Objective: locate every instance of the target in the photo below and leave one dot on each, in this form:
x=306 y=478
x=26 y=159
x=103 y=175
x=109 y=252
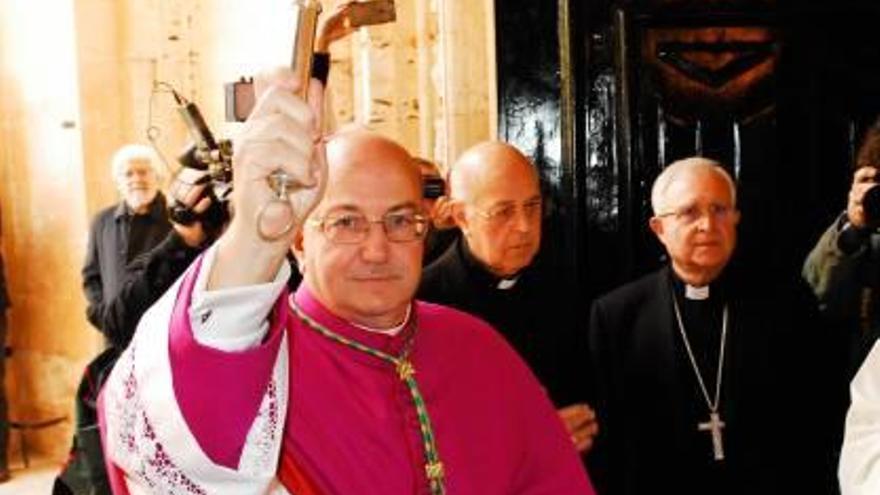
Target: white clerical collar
x=391 y=332
x=696 y=293
x=507 y=283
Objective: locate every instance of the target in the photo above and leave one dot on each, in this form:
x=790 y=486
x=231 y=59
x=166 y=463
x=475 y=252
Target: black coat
x=116 y=238
x=532 y=316
x=778 y=431
x=147 y=277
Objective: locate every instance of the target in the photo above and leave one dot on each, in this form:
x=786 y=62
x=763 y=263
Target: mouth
x=521 y=247
x=375 y=278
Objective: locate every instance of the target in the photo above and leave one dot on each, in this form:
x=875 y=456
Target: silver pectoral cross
x=715 y=425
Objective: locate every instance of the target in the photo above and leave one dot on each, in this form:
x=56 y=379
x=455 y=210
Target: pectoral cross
x=715 y=425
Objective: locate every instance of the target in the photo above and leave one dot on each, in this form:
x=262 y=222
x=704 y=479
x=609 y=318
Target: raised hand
x=281 y=134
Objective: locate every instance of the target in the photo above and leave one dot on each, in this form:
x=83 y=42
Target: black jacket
x=117 y=237
x=147 y=278
x=774 y=398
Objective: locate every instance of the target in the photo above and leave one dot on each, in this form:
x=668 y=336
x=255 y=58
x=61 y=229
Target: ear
x=459 y=216
x=736 y=217
x=298 y=250
x=656 y=225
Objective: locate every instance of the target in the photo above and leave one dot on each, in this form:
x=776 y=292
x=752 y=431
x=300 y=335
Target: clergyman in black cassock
x=671 y=423
x=494 y=271
x=525 y=309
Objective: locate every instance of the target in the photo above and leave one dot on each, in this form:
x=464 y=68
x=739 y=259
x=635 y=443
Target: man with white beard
x=121 y=232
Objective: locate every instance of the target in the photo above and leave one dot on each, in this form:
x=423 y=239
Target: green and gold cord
x=406 y=372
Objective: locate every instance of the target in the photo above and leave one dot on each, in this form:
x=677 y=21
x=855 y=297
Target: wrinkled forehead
x=513 y=180
x=135 y=166
x=699 y=186
x=370 y=174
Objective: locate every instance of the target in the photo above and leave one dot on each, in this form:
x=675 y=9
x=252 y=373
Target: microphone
x=194 y=121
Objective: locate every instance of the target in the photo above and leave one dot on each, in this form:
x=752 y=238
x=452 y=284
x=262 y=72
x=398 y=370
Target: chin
x=711 y=266
x=517 y=263
x=383 y=295
x=139 y=200
x=377 y=309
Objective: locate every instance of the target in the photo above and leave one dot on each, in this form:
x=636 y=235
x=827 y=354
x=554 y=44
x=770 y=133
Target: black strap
x=321 y=66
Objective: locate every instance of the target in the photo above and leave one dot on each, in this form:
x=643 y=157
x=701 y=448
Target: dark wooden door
x=775 y=92
x=604 y=94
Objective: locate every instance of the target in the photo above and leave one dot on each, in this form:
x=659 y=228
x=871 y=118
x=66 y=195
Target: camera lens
x=433 y=187
x=871 y=205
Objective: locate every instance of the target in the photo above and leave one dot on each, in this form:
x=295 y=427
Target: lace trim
x=153 y=467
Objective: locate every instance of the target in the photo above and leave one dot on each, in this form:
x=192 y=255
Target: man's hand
x=580 y=422
x=187 y=189
x=863 y=179
x=281 y=134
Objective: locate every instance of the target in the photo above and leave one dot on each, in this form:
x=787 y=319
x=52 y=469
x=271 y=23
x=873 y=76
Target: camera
x=871 y=206
x=433 y=187
x=205 y=160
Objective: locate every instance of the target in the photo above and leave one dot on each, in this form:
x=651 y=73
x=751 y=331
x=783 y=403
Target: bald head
x=496 y=198
x=490 y=162
x=368 y=150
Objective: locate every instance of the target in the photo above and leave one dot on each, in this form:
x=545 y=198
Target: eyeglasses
x=504 y=214
x=353 y=228
x=691 y=214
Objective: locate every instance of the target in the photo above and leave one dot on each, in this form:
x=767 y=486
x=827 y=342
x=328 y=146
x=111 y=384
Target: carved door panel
x=776 y=94
x=603 y=94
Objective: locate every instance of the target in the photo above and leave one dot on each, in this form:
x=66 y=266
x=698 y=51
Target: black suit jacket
x=111 y=247
x=777 y=436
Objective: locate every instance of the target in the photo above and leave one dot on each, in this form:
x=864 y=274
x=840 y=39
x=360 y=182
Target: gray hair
x=680 y=167
x=131 y=152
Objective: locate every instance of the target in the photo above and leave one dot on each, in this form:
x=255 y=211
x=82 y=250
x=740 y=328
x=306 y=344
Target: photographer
x=843 y=267
x=150 y=274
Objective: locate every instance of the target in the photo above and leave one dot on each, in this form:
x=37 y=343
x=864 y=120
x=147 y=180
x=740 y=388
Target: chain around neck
x=712 y=403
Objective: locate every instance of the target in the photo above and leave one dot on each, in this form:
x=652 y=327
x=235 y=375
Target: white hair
x=680 y=167
x=132 y=152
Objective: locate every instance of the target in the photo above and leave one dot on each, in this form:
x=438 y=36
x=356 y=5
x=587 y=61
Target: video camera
x=205 y=160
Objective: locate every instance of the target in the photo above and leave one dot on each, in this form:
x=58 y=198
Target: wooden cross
x=714 y=426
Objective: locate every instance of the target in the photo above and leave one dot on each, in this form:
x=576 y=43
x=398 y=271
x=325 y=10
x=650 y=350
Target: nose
x=375 y=247
x=523 y=222
x=707 y=221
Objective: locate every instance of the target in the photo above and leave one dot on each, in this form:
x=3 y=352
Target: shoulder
x=442 y=277
x=459 y=330
x=437 y=316
x=105 y=215
x=634 y=293
x=626 y=311
x=481 y=355
x=443 y=263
